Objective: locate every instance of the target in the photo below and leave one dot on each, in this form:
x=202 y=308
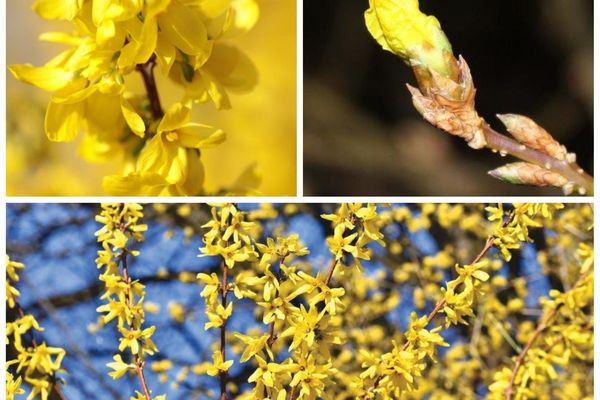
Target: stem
x=538 y=331
x=573 y=172
x=272 y=336
x=147 y=71
x=292 y=393
x=332 y=266
x=440 y=304
x=139 y=367
x=139 y=364
x=223 y=375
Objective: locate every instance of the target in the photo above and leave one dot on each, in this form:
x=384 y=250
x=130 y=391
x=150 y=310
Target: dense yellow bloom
x=120 y=228
x=36 y=363
x=330 y=331
x=91 y=88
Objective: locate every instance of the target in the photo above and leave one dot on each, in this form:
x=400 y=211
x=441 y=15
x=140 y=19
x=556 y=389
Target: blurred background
x=38 y=167
x=60 y=285
x=362 y=135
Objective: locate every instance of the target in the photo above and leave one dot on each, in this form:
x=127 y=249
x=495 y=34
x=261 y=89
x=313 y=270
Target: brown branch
x=139 y=364
x=272 y=335
x=224 y=375
x=573 y=172
x=489 y=243
x=292 y=393
x=538 y=331
x=440 y=304
x=332 y=266
x=147 y=71
x=139 y=368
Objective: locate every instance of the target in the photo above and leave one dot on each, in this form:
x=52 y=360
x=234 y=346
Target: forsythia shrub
x=91 y=84
x=499 y=305
x=33 y=362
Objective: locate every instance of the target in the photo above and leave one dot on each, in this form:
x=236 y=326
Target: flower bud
x=524 y=173
x=401 y=28
x=526 y=131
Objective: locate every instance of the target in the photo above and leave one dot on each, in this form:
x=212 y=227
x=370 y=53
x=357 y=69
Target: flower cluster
x=35 y=363
x=508 y=235
x=436 y=313
x=354 y=227
x=124 y=296
x=394 y=373
x=91 y=84
x=564 y=335
x=229 y=236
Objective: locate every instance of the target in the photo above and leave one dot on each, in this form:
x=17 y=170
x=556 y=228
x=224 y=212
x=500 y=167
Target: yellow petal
x=134 y=121
x=63 y=121
x=205 y=84
x=212 y=8
x=142 y=42
x=104 y=117
x=176 y=116
x=76 y=91
x=152 y=157
x=155 y=7
x=92 y=148
x=60 y=37
x=194 y=181
x=165 y=158
x=232 y=68
x=136 y=184
x=200 y=136
x=244 y=14
x=57 y=9
x=184 y=28
x=46 y=78
x=165 y=53
x=247 y=183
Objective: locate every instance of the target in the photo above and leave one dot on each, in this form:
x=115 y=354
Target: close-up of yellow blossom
x=144 y=91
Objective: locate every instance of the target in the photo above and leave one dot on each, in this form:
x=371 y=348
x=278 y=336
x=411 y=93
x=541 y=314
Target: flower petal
x=200 y=136
x=46 y=78
x=134 y=121
x=183 y=26
x=176 y=117
x=63 y=121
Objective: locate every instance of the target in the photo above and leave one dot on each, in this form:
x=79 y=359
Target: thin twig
x=272 y=335
x=573 y=172
x=147 y=71
x=139 y=367
x=223 y=375
x=292 y=393
x=332 y=266
x=139 y=364
x=442 y=302
x=538 y=331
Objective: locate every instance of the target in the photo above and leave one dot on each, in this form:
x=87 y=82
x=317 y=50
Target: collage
x=299 y=200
